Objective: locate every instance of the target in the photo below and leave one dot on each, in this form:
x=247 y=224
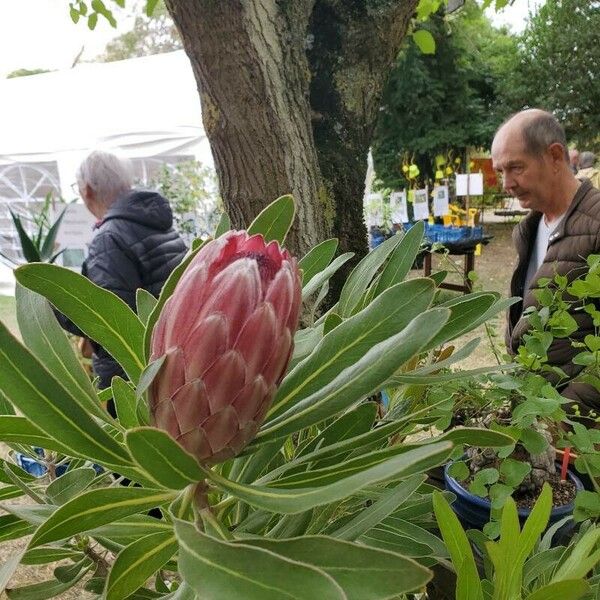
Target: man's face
x=525 y=177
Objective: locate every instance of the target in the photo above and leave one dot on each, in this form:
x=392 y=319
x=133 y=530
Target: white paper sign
x=77 y=227
x=471 y=185
x=421 y=205
x=440 y=201
x=398 y=207
x=374 y=209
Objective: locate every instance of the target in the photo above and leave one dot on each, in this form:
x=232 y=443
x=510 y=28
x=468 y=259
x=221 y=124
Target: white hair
x=108 y=175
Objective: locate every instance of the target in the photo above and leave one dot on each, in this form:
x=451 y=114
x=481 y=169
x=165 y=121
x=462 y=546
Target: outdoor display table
x=464 y=248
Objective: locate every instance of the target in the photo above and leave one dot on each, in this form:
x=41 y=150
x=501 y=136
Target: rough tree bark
x=290 y=93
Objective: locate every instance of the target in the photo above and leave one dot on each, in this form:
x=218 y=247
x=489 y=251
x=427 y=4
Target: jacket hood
x=144 y=207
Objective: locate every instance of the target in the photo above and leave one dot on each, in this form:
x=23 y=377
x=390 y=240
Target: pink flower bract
x=227 y=332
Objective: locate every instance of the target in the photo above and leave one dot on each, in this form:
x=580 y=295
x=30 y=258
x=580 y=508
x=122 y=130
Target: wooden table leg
x=427 y=264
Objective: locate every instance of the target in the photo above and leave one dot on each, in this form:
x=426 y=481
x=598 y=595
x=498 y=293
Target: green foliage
x=191 y=190
x=40 y=245
x=327 y=482
x=451 y=99
x=25 y=73
x=561 y=39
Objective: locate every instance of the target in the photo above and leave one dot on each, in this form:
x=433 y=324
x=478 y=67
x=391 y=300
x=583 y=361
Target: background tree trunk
x=290 y=92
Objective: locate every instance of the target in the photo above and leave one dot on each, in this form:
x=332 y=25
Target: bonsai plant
x=269 y=467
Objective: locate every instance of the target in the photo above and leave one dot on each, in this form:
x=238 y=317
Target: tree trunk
x=290 y=93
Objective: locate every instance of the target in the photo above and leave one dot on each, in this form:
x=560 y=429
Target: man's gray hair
x=586 y=160
x=108 y=175
x=541 y=131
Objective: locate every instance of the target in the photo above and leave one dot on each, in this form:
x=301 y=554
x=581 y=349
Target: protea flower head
x=227 y=332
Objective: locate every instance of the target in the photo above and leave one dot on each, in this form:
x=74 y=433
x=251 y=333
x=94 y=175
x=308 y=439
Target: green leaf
x=50 y=240
x=317 y=259
x=360 y=379
x=467 y=312
x=130 y=529
x=100 y=314
x=8 y=568
x=572 y=589
x=274 y=221
x=459 y=549
x=42 y=556
x=533 y=441
x=92 y=21
x=11 y=528
x=223 y=226
x=358 y=281
x=387 y=315
x=19 y=430
x=323 y=276
x=69 y=485
x=150 y=6
x=217 y=569
x=370 y=516
x=424 y=40
x=145 y=303
x=30 y=252
x=514 y=471
x=43 y=590
x=10 y=491
x=402 y=258
x=581 y=560
x=163 y=459
x=95 y=508
x=39 y=396
x=363 y=573
x=148 y=375
x=137 y=562
x=125 y=402
x=459 y=470
x=47 y=341
x=280 y=500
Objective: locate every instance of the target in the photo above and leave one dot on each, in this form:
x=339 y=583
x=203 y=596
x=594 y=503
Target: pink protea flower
x=227 y=332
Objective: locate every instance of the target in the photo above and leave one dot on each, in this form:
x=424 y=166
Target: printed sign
x=421 y=205
x=398 y=207
x=440 y=201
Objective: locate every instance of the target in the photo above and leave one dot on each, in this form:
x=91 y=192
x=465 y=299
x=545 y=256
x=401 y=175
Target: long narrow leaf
x=367 y=518
x=217 y=569
x=30 y=252
x=358 y=281
x=95 y=508
x=47 y=341
x=44 y=401
x=100 y=314
x=359 y=380
x=50 y=239
x=317 y=259
x=389 y=314
x=280 y=500
x=137 y=562
x=323 y=276
x=363 y=573
x=275 y=220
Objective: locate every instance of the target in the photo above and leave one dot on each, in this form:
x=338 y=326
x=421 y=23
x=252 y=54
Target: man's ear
x=90 y=194
x=556 y=153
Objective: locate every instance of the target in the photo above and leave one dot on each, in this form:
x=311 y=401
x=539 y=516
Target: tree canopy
x=560 y=65
x=448 y=100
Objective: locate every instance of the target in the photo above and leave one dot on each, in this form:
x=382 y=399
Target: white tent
x=146 y=109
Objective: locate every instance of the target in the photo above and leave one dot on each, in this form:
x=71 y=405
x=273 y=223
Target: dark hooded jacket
x=575 y=238
x=135 y=246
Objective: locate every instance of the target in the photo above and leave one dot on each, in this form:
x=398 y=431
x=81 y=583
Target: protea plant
x=227 y=336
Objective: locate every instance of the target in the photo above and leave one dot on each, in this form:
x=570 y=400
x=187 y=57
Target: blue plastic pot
x=474 y=511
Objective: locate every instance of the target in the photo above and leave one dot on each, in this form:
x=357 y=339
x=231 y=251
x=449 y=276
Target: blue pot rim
x=455 y=487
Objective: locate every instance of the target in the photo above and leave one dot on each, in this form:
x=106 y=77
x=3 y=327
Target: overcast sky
x=39 y=34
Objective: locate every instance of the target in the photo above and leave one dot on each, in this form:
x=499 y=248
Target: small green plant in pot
x=255 y=443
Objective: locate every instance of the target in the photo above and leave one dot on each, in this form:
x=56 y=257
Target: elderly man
x=587 y=170
x=135 y=245
x=562 y=229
